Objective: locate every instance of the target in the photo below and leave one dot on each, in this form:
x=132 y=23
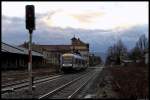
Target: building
x=80 y=46
x=125 y=62
x=14 y=57
x=53 y=52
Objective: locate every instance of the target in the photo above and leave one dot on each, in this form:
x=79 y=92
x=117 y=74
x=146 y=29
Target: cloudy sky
x=97 y=23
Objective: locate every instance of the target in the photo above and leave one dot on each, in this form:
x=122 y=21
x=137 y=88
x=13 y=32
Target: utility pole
x=30 y=25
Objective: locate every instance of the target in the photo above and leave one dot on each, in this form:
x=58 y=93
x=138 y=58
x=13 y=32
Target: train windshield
x=67 y=60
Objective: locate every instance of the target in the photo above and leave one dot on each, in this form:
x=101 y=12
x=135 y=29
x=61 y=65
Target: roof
x=74 y=38
x=56 y=47
x=17 y=50
x=127 y=61
x=78 y=41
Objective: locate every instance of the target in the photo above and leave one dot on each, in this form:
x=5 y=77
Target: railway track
x=25 y=80
x=24 y=83
x=73 y=82
x=11 y=87
x=70 y=89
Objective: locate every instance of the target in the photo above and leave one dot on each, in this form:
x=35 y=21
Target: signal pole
x=30 y=25
x=30 y=61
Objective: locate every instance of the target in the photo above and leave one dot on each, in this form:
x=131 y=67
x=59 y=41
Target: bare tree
x=121 y=51
x=138 y=51
x=115 y=52
x=142 y=43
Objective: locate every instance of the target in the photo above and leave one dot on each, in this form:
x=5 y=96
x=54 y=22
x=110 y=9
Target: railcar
x=72 y=62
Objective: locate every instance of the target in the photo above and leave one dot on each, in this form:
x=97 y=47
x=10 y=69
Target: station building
x=14 y=57
x=52 y=53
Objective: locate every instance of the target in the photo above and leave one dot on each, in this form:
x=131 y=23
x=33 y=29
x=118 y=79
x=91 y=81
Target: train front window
x=67 y=60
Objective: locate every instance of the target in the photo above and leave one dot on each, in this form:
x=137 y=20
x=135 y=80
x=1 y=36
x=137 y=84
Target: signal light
x=30 y=18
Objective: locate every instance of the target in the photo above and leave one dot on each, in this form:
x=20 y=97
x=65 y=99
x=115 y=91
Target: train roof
x=74 y=55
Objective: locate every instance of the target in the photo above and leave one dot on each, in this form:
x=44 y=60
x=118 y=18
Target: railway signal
x=30 y=25
x=30 y=18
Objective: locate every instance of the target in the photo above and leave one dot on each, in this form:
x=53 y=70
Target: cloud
x=48 y=14
x=87 y=17
x=12 y=25
x=14 y=32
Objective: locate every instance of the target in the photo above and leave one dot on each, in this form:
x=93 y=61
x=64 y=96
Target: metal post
x=30 y=61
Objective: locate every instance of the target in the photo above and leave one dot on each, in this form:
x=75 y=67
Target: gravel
x=99 y=87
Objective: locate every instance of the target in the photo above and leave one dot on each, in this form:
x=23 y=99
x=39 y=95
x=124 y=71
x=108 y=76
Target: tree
x=138 y=51
x=135 y=54
x=142 y=43
x=95 y=60
x=115 y=52
x=120 y=51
